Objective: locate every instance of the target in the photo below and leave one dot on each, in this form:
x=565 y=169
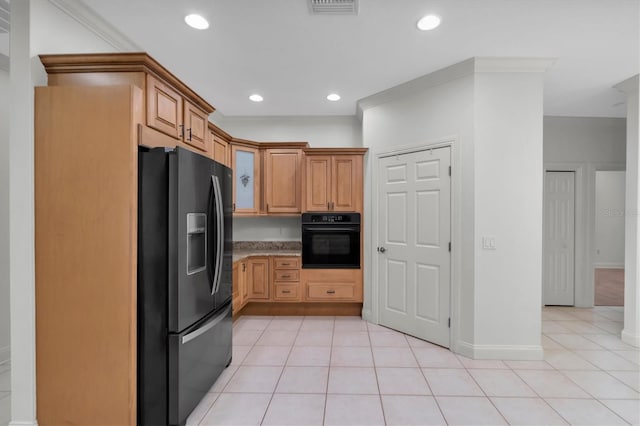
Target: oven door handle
x=323 y=229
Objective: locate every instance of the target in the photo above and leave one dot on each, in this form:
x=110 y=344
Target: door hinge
x=449 y=245
x=449 y=323
x=449 y=170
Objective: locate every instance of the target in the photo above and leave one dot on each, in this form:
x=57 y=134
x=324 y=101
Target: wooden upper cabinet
x=195 y=127
x=346 y=185
x=170 y=107
x=333 y=182
x=221 y=149
x=245 y=162
x=318 y=183
x=164 y=108
x=282 y=180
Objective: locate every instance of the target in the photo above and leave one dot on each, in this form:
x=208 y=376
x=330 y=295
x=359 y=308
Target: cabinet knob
x=286 y=291
x=331 y=292
x=189 y=133
x=181 y=126
x=285 y=264
x=286 y=276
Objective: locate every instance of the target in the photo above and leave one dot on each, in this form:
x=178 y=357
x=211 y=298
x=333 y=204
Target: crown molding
x=629 y=85
x=436 y=78
x=4 y=62
x=454 y=72
x=499 y=64
x=96 y=24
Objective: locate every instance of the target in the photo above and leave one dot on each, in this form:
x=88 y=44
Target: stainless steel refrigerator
x=184 y=281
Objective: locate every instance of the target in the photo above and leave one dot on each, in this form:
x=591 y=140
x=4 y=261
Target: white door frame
x=589 y=284
x=456 y=197
x=580 y=252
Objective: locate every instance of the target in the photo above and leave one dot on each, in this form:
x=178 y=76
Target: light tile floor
x=345 y=371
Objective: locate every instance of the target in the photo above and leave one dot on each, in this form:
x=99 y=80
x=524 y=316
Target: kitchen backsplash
x=267 y=228
x=267 y=245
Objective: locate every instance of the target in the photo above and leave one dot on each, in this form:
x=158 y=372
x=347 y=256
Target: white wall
x=422 y=117
x=320 y=132
x=609 y=232
x=4 y=217
x=494 y=118
x=37 y=27
x=585 y=145
x=267 y=229
x=508 y=205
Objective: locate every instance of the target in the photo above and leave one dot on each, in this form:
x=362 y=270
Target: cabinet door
x=195 y=127
x=236 y=300
x=318 y=183
x=258 y=278
x=220 y=149
x=346 y=191
x=282 y=180
x=246 y=179
x=242 y=284
x=164 y=108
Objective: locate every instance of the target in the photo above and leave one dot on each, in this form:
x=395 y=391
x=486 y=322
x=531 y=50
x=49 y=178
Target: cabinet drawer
x=330 y=292
x=286 y=275
x=286 y=263
x=287 y=291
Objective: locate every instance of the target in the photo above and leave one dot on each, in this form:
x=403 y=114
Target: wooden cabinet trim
x=120 y=62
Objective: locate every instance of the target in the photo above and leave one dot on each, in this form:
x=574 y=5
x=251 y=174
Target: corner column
x=631 y=331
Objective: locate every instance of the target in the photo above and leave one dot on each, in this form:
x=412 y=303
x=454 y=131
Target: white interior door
x=414 y=235
x=559 y=238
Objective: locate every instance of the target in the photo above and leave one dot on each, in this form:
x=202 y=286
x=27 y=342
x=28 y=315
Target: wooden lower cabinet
x=276 y=285
x=258 y=277
x=332 y=285
x=286 y=279
x=239 y=293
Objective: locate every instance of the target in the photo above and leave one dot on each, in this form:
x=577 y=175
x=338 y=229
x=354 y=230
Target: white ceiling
x=294 y=59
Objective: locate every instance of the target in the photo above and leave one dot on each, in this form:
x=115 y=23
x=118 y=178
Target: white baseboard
x=367 y=315
x=630 y=339
x=500 y=352
x=5 y=354
x=33 y=423
x=609 y=265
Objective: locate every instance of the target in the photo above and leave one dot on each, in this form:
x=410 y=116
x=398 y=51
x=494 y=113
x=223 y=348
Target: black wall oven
x=331 y=240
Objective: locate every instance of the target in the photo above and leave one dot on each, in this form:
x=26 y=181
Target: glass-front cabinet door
x=246 y=179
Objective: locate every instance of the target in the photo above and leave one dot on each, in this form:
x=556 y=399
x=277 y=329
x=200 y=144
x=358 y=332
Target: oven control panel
x=318 y=218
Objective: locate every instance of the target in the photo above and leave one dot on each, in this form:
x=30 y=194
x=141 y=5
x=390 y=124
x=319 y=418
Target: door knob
x=382 y=249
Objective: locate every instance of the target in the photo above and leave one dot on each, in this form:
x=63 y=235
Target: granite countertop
x=242 y=249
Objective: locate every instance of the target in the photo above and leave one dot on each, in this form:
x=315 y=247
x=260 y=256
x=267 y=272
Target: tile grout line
x=264 y=415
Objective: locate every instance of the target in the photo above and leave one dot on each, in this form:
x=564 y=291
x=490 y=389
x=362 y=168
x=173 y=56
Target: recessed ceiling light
x=333 y=97
x=429 y=22
x=196 y=21
x=256 y=98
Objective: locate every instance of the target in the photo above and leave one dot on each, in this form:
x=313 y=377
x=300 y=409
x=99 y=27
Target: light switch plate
x=488 y=243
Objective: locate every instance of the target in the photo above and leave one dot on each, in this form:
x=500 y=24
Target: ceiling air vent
x=4 y=16
x=333 y=7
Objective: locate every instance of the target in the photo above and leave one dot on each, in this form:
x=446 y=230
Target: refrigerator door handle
x=210 y=215
x=206 y=327
x=219 y=233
